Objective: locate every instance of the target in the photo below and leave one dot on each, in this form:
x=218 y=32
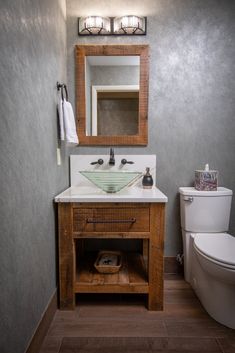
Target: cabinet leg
x=67 y=273
x=155 y=296
x=67 y=303
x=66 y=258
x=156 y=245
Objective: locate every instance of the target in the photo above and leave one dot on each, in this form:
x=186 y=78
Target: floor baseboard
x=171 y=265
x=43 y=326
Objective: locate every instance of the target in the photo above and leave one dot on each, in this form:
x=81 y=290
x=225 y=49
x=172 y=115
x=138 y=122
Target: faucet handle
x=100 y=162
x=124 y=161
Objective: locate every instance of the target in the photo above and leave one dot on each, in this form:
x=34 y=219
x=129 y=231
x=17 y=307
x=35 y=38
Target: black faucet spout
x=111 y=159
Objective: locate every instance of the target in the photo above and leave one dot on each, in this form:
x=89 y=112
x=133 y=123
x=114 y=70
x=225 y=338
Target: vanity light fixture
x=125 y=25
x=130 y=25
x=94 y=25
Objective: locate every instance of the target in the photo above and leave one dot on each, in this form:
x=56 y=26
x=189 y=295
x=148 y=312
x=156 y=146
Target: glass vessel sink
x=112 y=182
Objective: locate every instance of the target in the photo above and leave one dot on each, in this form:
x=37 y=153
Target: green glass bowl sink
x=111 y=182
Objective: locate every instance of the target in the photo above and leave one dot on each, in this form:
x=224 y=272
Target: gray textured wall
x=191 y=89
x=32 y=59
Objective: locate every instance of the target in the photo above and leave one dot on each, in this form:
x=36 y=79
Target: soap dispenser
x=147 y=180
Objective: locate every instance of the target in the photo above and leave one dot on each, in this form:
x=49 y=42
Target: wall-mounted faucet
x=111 y=159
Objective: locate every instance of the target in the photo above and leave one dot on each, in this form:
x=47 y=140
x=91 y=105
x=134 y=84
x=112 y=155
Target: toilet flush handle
x=188 y=199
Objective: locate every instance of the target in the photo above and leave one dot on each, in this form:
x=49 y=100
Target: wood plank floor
x=121 y=323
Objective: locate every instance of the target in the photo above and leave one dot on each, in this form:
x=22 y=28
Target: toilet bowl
x=213 y=275
x=209 y=252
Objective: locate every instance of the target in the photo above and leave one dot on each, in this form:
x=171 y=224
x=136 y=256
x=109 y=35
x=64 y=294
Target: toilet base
x=215 y=289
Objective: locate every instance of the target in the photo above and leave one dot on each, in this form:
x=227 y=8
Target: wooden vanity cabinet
x=140 y=272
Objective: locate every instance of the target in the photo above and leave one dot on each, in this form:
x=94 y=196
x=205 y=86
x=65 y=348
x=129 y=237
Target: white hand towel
x=69 y=123
x=61 y=119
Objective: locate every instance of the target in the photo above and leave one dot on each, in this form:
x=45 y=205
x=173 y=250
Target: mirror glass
x=112 y=95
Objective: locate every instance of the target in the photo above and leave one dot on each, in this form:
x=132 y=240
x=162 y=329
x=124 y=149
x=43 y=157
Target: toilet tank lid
x=191 y=191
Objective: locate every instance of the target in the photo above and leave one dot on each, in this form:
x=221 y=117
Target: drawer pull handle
x=90 y=220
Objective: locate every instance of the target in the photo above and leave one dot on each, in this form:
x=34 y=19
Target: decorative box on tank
x=206 y=180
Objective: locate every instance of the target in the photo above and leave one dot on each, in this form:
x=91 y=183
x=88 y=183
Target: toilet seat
x=216 y=247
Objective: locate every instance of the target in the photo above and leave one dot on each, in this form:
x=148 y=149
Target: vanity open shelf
x=131 y=278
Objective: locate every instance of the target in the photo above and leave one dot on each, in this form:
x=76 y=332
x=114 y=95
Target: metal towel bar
x=61 y=87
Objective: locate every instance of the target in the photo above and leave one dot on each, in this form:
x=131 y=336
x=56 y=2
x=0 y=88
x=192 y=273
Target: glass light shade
x=94 y=25
x=129 y=25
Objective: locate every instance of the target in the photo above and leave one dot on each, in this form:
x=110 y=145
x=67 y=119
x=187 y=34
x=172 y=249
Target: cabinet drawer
x=111 y=219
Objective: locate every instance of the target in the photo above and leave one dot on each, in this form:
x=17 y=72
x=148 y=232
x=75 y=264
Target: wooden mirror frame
x=81 y=51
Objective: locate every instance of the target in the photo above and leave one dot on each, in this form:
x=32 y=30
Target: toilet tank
x=205 y=211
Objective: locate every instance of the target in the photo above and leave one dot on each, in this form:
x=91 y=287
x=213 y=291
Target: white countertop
x=93 y=194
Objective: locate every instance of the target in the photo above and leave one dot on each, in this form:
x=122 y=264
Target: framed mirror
x=112 y=94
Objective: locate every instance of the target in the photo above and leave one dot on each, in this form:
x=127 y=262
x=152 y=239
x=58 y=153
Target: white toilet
x=209 y=252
